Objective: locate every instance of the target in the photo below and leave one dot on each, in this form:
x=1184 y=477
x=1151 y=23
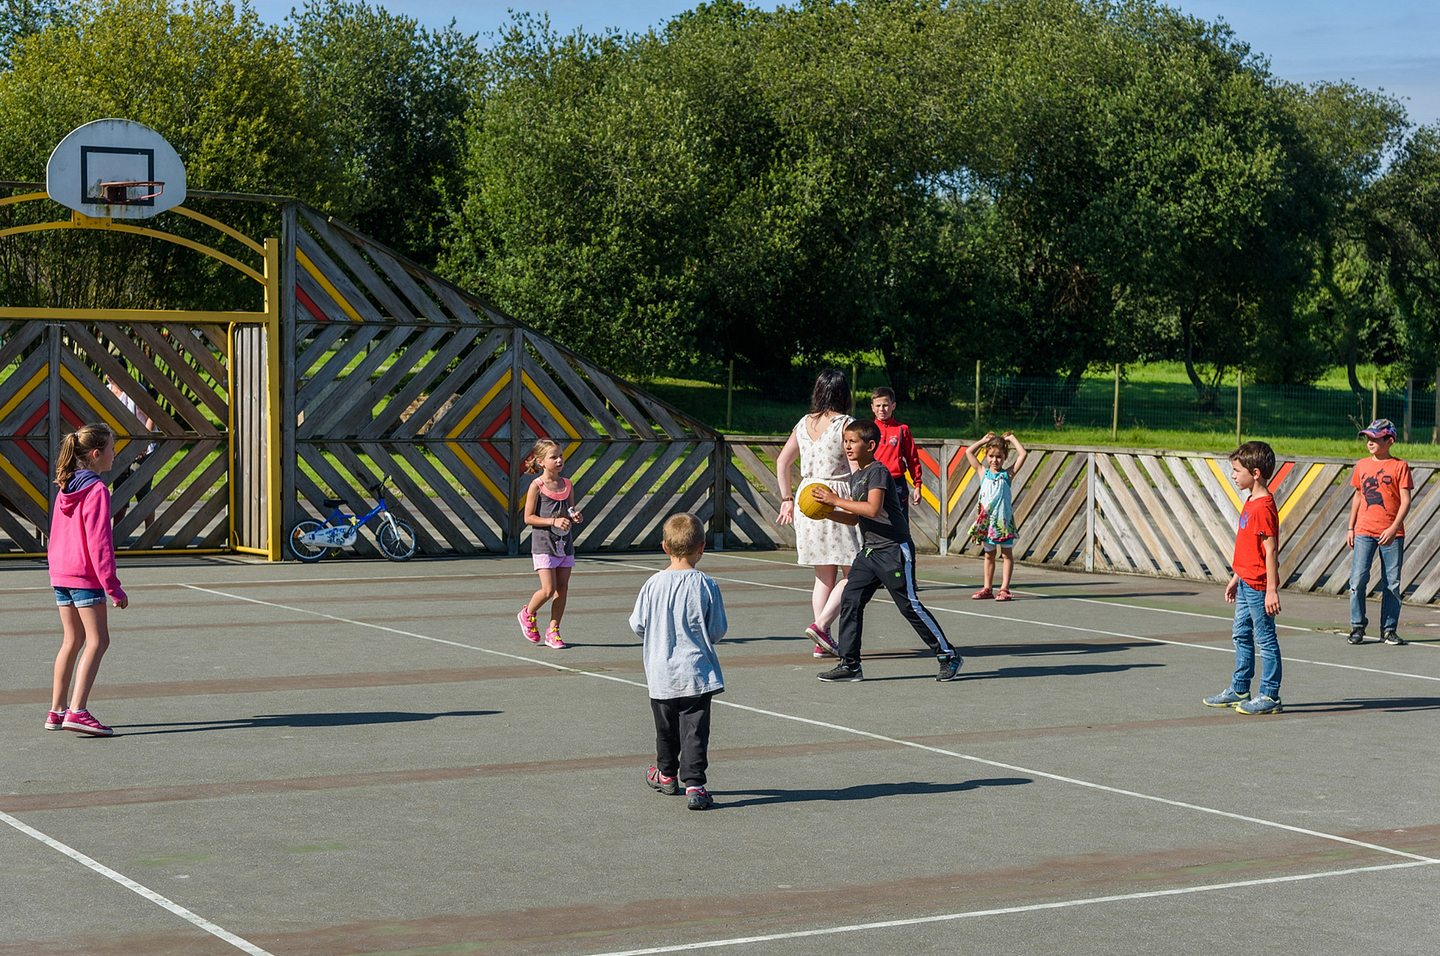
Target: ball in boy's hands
x=810 y=506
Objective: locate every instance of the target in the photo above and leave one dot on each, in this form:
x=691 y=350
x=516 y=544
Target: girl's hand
x=561 y=525
x=123 y=603
x=576 y=516
x=787 y=513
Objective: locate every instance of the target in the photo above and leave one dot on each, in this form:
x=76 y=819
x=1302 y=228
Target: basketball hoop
x=118 y=194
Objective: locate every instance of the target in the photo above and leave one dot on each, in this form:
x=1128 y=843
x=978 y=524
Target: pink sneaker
x=55 y=720
x=552 y=637
x=527 y=625
x=81 y=722
x=823 y=640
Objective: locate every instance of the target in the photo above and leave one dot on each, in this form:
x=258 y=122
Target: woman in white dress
x=818 y=441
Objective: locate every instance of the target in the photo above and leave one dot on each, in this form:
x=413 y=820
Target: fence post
x=1115 y=414
x=517 y=465
x=942 y=540
x=720 y=515
x=1089 y=514
x=730 y=396
x=1239 y=401
x=1375 y=395
x=1409 y=404
x=1435 y=430
x=977 y=396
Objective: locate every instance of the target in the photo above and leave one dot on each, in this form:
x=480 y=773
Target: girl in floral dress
x=994 y=526
x=817 y=440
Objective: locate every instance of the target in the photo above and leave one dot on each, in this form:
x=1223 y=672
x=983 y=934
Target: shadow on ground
x=299 y=721
x=872 y=791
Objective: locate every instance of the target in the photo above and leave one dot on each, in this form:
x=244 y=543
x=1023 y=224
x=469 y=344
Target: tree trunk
x=1187 y=315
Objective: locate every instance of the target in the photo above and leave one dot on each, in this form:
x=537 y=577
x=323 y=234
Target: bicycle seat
x=333 y=502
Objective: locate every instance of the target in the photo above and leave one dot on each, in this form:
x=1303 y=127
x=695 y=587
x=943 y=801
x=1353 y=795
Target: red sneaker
x=55 y=720
x=81 y=722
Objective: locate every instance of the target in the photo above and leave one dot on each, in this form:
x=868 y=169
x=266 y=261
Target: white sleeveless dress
x=825 y=541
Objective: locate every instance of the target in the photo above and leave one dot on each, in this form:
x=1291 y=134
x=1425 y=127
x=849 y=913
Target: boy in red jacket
x=896 y=450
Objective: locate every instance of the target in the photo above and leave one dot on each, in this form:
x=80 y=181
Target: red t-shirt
x=897 y=451
x=1258 y=519
x=1379 y=483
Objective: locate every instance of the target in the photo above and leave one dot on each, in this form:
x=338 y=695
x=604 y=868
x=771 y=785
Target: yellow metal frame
x=269 y=278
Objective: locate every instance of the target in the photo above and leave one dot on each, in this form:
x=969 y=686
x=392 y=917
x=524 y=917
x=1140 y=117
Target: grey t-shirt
x=889 y=528
x=678 y=616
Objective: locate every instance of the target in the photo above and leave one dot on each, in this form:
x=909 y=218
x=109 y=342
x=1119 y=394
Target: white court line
x=1088 y=630
x=351 y=580
x=241 y=944
x=1004 y=911
x=849 y=730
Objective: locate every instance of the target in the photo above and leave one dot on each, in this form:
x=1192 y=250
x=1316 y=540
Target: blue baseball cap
x=1380 y=428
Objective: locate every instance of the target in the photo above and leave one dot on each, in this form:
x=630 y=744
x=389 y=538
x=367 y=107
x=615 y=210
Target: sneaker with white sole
x=528 y=630
x=823 y=640
x=1226 y=698
x=1392 y=638
x=552 y=638
x=81 y=722
x=698 y=798
x=949 y=667
x=55 y=720
x=1260 y=705
x=841 y=673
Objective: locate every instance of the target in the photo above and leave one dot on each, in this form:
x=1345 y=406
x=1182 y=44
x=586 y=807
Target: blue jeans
x=79 y=597
x=1392 y=557
x=1254 y=628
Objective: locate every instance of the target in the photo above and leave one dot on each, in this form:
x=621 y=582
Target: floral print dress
x=824 y=541
x=995 y=524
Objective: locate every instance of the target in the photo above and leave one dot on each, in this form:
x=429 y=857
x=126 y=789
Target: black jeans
x=682 y=737
x=892 y=568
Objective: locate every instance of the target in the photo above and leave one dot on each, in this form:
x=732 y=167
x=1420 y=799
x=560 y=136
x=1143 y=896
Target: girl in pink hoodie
x=82 y=572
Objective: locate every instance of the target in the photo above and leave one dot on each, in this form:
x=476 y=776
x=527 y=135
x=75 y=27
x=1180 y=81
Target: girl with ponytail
x=81 y=555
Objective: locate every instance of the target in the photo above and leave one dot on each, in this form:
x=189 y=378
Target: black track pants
x=682 y=737
x=894 y=569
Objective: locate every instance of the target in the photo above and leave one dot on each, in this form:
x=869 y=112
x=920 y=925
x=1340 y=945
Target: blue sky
x=1394 y=44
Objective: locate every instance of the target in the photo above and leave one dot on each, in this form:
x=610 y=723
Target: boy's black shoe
x=842 y=672
x=1357 y=635
x=698 y=798
x=1392 y=638
x=949 y=667
x=658 y=781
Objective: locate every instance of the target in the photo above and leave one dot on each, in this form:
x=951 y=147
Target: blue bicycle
x=311 y=539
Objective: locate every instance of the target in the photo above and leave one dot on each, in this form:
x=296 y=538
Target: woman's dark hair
x=832 y=393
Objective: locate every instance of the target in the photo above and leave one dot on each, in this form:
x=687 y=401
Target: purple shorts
x=554 y=561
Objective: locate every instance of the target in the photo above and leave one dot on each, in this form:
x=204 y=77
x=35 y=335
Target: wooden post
x=1435 y=430
x=729 y=396
x=517 y=465
x=55 y=332
x=1409 y=404
x=1089 y=514
x=854 y=379
x=720 y=493
x=942 y=540
x=977 y=397
x=1115 y=413
x=1239 y=401
x=289 y=262
x=1375 y=395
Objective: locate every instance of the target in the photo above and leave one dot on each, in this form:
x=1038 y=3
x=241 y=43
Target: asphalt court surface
x=360 y=757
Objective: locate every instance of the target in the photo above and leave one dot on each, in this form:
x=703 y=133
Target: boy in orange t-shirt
x=1377 y=523
x=1255 y=585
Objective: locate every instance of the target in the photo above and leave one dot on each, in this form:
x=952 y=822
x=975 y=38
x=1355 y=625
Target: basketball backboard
x=117 y=169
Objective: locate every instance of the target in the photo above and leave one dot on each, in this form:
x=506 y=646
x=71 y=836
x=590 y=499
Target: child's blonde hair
x=542 y=445
x=77 y=447
x=684 y=535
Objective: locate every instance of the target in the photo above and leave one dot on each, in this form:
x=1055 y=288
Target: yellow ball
x=809 y=506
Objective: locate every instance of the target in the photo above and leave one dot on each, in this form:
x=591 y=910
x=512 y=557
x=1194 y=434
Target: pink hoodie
x=82 y=544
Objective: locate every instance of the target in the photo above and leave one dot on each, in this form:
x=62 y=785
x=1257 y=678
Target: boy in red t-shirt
x=1377 y=523
x=896 y=450
x=1255 y=585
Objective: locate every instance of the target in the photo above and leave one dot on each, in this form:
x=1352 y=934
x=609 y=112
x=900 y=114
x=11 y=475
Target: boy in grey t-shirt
x=678 y=615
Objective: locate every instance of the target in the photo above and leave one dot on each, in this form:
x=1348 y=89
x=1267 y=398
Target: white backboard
x=112 y=151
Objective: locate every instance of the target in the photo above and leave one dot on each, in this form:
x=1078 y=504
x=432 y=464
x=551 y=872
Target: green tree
x=1405 y=236
x=394 y=95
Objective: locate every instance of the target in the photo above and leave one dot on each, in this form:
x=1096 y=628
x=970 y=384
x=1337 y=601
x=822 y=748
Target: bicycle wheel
x=305 y=552
x=397 y=542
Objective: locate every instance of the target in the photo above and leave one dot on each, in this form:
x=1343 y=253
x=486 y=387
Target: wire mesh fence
x=759 y=402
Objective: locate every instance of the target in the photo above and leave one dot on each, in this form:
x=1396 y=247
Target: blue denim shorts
x=79 y=597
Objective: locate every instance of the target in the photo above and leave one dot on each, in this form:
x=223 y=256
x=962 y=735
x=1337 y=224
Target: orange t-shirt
x=1379 y=483
x=1258 y=519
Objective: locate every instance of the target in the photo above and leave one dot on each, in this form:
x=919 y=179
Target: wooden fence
x=1169 y=514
